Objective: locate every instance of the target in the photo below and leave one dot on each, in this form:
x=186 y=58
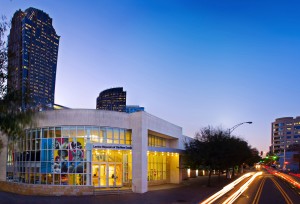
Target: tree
x=255 y=158
x=13 y=119
x=214 y=149
x=3 y=58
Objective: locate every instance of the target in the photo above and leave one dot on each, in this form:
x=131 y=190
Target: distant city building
x=134 y=108
x=32 y=59
x=113 y=99
x=289 y=160
x=285 y=132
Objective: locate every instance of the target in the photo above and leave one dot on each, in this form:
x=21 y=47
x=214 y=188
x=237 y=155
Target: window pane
x=38 y=133
x=51 y=133
x=45 y=132
x=122 y=134
x=65 y=131
x=109 y=135
x=116 y=136
x=72 y=131
x=101 y=135
x=58 y=132
x=128 y=137
x=94 y=135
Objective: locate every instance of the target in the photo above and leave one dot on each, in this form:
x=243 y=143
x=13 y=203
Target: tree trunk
x=228 y=176
x=209 y=176
x=232 y=175
x=241 y=169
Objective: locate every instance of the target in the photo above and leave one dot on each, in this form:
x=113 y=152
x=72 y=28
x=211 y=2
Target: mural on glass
x=69 y=155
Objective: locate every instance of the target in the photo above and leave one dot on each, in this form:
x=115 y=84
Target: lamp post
x=230 y=130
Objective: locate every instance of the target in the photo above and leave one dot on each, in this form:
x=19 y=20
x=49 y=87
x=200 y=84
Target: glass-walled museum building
x=73 y=149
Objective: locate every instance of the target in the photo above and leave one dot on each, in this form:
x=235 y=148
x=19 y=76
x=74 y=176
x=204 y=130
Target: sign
x=102 y=146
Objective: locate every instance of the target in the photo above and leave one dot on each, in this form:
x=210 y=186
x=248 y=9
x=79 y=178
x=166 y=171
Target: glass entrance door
x=107 y=174
x=119 y=174
x=95 y=175
x=115 y=175
x=111 y=175
x=103 y=174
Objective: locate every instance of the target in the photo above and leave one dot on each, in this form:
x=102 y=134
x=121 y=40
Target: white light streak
x=235 y=195
x=226 y=189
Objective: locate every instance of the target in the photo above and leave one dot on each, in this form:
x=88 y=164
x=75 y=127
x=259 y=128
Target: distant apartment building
x=134 y=108
x=285 y=132
x=113 y=99
x=32 y=60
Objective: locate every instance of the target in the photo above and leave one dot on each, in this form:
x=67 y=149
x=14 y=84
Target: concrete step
x=111 y=191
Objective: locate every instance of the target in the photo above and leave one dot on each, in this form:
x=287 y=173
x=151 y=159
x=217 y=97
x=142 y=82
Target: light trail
x=285 y=177
x=288 y=179
x=235 y=195
x=226 y=189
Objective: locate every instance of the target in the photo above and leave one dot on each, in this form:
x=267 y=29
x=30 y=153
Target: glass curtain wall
x=158 y=163
x=58 y=155
x=111 y=167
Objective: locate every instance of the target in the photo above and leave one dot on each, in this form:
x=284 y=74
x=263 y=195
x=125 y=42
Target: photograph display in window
x=69 y=155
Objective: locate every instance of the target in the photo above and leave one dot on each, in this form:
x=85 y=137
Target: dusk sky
x=192 y=63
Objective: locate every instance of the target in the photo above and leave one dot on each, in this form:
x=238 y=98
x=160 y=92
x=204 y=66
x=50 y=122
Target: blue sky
x=193 y=63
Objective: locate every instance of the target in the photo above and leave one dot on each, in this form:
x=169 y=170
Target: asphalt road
x=268 y=188
x=265 y=189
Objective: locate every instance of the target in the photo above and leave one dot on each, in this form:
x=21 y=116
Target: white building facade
x=95 y=148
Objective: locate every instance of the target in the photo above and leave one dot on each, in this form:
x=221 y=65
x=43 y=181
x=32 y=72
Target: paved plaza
x=190 y=191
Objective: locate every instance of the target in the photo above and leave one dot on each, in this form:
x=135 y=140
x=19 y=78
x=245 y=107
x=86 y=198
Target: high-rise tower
x=113 y=99
x=32 y=57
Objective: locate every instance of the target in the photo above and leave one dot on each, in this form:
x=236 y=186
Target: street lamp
x=230 y=130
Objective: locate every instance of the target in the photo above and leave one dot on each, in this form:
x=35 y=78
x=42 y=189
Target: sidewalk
x=188 y=192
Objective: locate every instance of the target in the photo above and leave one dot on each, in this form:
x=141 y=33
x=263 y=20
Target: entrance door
x=103 y=175
x=119 y=174
x=115 y=174
x=107 y=174
x=96 y=175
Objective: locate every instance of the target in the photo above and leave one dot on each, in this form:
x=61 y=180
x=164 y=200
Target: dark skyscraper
x=113 y=99
x=32 y=57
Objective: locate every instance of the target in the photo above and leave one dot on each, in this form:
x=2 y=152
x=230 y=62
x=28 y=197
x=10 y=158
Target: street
x=263 y=187
x=269 y=188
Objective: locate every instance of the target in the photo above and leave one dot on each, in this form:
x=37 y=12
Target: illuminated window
x=57 y=155
x=157 y=166
x=155 y=141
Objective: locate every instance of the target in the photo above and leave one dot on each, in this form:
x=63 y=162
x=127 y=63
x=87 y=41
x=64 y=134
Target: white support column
x=88 y=159
x=139 y=153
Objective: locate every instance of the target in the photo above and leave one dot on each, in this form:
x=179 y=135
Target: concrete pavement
x=190 y=191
